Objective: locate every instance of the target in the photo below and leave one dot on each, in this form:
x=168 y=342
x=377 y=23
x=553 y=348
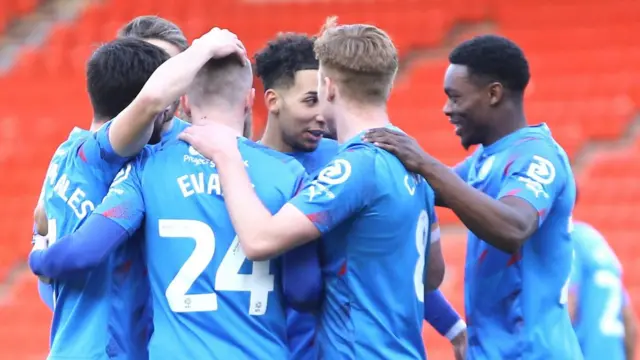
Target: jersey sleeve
x=535 y=173
x=97 y=151
x=439 y=313
x=340 y=189
x=124 y=202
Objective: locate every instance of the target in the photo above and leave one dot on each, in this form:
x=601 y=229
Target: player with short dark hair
x=208 y=300
x=104 y=304
x=77 y=179
x=288 y=70
x=374 y=217
x=515 y=194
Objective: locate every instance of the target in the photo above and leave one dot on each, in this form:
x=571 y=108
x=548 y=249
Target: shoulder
x=328 y=145
x=253 y=151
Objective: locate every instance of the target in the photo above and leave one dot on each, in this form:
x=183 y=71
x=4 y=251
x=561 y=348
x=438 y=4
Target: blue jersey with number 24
x=209 y=301
x=375 y=218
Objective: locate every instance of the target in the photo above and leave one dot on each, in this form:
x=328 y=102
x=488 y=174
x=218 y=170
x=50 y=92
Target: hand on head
x=221 y=43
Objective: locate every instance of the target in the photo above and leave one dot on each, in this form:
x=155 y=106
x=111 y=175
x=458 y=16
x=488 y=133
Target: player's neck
x=350 y=121
x=272 y=137
x=230 y=118
x=96 y=124
x=513 y=121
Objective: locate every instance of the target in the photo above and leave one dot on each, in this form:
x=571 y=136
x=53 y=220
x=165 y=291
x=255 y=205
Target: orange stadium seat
x=584 y=85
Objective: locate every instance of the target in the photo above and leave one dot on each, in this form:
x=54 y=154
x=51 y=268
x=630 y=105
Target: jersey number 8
x=422 y=236
x=227 y=278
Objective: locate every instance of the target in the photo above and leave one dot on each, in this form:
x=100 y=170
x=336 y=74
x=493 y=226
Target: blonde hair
x=361 y=58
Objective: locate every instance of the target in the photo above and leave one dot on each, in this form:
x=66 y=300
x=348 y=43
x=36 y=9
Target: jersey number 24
x=227 y=278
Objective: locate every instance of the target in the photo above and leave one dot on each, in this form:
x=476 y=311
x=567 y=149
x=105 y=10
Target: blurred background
x=585 y=65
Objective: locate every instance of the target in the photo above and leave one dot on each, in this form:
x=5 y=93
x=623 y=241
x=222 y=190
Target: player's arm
x=531 y=184
x=439 y=313
x=435 y=269
x=630 y=328
x=337 y=192
x=41 y=226
x=114 y=220
x=302 y=278
x=462 y=170
x=132 y=128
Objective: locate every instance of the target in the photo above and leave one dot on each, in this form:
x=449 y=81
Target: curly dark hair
x=491 y=58
x=277 y=64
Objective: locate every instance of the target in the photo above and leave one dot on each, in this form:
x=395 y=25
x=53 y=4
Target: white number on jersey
x=259 y=283
x=422 y=236
x=610 y=323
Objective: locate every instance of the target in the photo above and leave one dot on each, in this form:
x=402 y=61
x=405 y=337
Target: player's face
x=299 y=116
x=467 y=106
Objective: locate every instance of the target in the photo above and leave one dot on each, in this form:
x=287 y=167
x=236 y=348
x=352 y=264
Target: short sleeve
x=124 y=203
x=462 y=168
x=341 y=189
x=97 y=151
x=535 y=173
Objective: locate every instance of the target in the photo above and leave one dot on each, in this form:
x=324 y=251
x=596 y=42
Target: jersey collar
x=540 y=130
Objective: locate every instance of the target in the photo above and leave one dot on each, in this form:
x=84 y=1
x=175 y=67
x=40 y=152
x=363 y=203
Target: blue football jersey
x=102 y=313
x=516 y=304
x=597 y=284
x=301 y=327
x=375 y=219
x=77 y=179
x=131 y=315
x=209 y=301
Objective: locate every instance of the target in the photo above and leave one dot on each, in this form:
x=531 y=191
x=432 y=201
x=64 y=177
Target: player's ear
x=272 y=101
x=251 y=96
x=186 y=106
x=332 y=90
x=496 y=92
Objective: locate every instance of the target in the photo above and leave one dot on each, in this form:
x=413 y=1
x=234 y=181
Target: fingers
x=390 y=148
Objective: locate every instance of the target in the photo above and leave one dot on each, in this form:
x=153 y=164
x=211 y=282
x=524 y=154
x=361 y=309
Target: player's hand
x=213 y=141
x=403 y=146
x=460 y=345
x=219 y=43
x=40 y=243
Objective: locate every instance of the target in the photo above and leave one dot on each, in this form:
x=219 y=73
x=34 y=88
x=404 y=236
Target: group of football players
x=164 y=240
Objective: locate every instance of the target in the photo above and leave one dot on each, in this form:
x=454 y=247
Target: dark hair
x=491 y=58
x=117 y=71
x=277 y=64
x=154 y=27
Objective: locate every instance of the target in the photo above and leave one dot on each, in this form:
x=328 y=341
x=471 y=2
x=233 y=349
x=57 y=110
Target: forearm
x=84 y=249
x=441 y=315
x=248 y=214
x=302 y=278
x=132 y=129
x=488 y=218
